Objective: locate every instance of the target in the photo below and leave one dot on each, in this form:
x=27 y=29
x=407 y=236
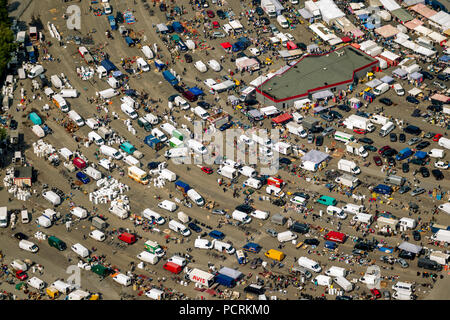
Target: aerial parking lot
x=212 y=149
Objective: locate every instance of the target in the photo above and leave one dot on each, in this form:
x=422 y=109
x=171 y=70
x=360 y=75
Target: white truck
x=348 y=180
x=296 y=129
x=356 y=148
x=309 y=264
x=444 y=142
x=379 y=119
x=357 y=122
x=220 y=246
x=348 y=166
x=3 y=217
x=286 y=236
x=269 y=8
x=177 y=152
x=442 y=236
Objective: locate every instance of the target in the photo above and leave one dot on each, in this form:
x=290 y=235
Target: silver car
x=414 y=140
x=272 y=232
x=417 y=191
x=218 y=34
x=328 y=130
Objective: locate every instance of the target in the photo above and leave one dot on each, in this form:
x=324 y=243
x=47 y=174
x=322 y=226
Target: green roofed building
x=316 y=76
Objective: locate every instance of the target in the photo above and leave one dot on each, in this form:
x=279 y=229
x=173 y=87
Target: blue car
x=217 y=235
x=83 y=177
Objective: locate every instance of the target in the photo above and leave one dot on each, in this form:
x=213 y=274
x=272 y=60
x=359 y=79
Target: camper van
x=386 y=129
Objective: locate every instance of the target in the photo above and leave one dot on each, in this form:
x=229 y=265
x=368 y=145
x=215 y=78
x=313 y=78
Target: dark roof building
x=315 y=73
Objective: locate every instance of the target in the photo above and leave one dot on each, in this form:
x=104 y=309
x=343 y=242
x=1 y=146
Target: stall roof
x=423 y=10
x=322 y=94
x=226 y=45
x=387 y=31
x=387 y=79
x=440 y=97
x=414 y=23
x=402 y=15
x=416 y=75
x=390 y=5
x=305 y=14
x=410 y=247
x=282 y=118
x=389 y=55
x=409 y=3
x=399 y=72
x=442 y=18
x=315 y=156
x=414 y=92
x=374 y=83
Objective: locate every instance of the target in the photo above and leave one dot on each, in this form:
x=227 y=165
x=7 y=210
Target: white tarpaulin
x=390 y=5
x=258 y=81
x=329 y=10
x=410 y=247
x=441 y=18
x=315 y=156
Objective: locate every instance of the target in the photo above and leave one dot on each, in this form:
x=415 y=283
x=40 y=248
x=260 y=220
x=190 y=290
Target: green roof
x=402 y=15
x=314 y=71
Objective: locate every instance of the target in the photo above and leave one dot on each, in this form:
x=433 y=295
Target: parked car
x=402 y=137
x=411 y=99
x=365 y=140
x=272 y=232
x=422 y=145
x=393 y=137
x=207 y=170
x=424 y=172
x=417 y=191
x=344 y=107
x=414 y=140
x=378 y=161
x=386 y=101
x=311 y=242
x=404 y=189
x=437 y=174
x=370 y=148
x=194 y=227
x=405 y=167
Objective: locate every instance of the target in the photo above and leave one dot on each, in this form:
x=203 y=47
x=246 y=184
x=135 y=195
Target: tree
x=3 y=134
x=7 y=44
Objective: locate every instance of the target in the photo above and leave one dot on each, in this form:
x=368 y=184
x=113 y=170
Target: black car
x=319 y=140
x=162 y=7
x=404 y=189
x=152 y=165
x=245 y=208
x=13 y=124
x=311 y=242
x=411 y=99
x=407 y=255
x=391 y=161
x=285 y=161
x=393 y=137
x=443 y=77
x=344 y=107
x=386 y=101
x=363 y=246
x=416 y=113
x=20 y=236
x=194 y=227
x=279 y=202
x=203 y=104
x=389 y=153
x=221 y=14
x=435 y=108
x=369 y=147
x=226 y=126
x=301 y=46
x=301 y=195
x=412 y=130
x=437 y=174
x=422 y=145
x=365 y=140
x=178 y=88
x=417 y=161
x=188 y=58
x=416 y=235
x=336 y=114
x=264 y=21
x=402 y=138
x=346 y=298
x=427 y=75
x=405 y=167
x=424 y=172
x=259 y=11
x=119 y=17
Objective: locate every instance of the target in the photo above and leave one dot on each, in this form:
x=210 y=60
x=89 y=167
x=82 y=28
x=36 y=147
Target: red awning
x=346 y=39
x=291 y=46
x=282 y=118
x=226 y=45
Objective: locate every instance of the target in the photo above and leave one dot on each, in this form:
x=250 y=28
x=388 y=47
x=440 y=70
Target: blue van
x=382 y=189
x=217 y=235
x=330 y=245
x=403 y=154
x=327 y=201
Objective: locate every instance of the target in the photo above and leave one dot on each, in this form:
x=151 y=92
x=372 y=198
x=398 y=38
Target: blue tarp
x=387 y=79
x=416 y=75
x=364 y=16
x=117 y=74
x=444 y=59
x=420 y=155
x=369 y=26
x=196 y=91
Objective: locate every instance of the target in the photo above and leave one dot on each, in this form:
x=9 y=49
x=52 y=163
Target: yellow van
x=275 y=255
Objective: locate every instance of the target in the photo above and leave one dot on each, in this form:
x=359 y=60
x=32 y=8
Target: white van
x=241 y=216
x=129 y=110
x=322 y=280
x=110 y=152
x=92 y=123
x=43 y=221
x=353 y=208
x=253 y=183
x=35 y=71
x=336 y=272
x=363 y=217
x=336 y=211
x=197 y=146
x=399 y=89
x=195 y=197
x=403 y=286
x=17 y=264
x=122 y=279
x=275 y=191
x=97 y=235
x=382 y=88
x=344 y=283
x=36 y=283
x=258 y=214
x=248 y=171
x=152 y=215
x=159 y=134
x=96 y=138
x=62 y=286
x=167 y=205
x=52 y=197
x=203 y=243
x=142 y=65
x=80 y=250
x=202 y=113
x=309 y=264
x=93 y=173
x=148 y=257
x=180 y=102
x=178 y=260
x=220 y=246
x=25 y=216
x=76 y=118
x=69 y=93
x=286 y=236
x=386 y=129
x=402 y=296
x=28 y=246
x=79 y=212
x=179 y=227
x=282 y=21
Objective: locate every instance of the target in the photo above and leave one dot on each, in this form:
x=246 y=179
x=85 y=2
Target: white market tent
x=410 y=247
x=414 y=92
x=329 y=11
x=442 y=19
x=390 y=5
x=315 y=156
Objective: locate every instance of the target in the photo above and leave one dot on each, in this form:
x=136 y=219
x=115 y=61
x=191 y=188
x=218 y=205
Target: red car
x=21 y=275
x=359 y=131
x=190 y=96
x=382 y=150
x=207 y=170
x=376 y=293
x=215 y=25
x=437 y=137
x=210 y=14
x=377 y=160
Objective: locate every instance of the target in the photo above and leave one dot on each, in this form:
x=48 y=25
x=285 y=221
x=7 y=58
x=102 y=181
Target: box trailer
x=348 y=181
x=201 y=277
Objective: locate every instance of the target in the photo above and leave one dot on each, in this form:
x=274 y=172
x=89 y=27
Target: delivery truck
x=309 y=264
x=348 y=181
x=286 y=236
x=348 y=166
x=357 y=122
x=201 y=277
x=228 y=172
x=138 y=175
x=356 y=149
x=441 y=236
